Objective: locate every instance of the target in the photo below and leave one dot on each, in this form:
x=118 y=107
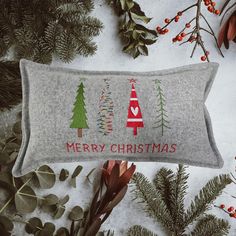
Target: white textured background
x=221 y=104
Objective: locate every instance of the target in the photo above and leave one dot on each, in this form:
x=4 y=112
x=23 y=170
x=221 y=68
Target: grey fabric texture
x=159 y=116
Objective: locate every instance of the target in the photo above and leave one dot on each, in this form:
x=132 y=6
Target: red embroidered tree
x=135 y=119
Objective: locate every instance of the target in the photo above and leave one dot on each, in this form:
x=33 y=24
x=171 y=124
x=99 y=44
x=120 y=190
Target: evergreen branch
x=154 y=205
x=177 y=195
x=205 y=197
x=138 y=230
x=10 y=84
x=38 y=30
x=163 y=182
x=162 y=112
x=210 y=225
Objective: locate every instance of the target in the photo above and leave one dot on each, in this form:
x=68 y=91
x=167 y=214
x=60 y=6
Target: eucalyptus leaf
x=17 y=127
x=12 y=147
x=59 y=212
x=64 y=200
x=46 y=177
x=72 y=182
x=63 y=175
x=49 y=227
x=34 y=224
x=62 y=232
x=76 y=213
x=25 y=200
x=50 y=199
x=77 y=171
x=4 y=158
x=6 y=223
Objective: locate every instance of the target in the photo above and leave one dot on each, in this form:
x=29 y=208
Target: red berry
x=176 y=18
x=213 y=4
x=207 y=3
x=210 y=9
x=188 y=25
x=234 y=215
x=207 y=53
x=166 y=30
x=180 y=13
x=179 y=38
x=167 y=20
x=174 y=40
x=217 y=12
x=183 y=34
x=203 y=58
x=222 y=206
x=158 y=28
x=230 y=209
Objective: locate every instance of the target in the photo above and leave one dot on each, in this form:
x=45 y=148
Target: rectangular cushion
x=71 y=115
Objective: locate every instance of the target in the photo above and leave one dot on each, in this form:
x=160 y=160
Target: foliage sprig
x=135 y=36
x=164 y=202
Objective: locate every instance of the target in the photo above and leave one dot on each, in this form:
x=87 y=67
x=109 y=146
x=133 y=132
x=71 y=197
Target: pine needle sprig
x=138 y=230
x=206 y=197
x=163 y=182
x=210 y=225
x=39 y=28
x=177 y=197
x=164 y=202
x=154 y=205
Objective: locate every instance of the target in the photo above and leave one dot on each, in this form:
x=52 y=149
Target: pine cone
x=228 y=31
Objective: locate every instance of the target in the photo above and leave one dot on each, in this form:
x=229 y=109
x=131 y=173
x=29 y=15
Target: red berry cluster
x=168 y=21
x=211 y=7
x=231 y=211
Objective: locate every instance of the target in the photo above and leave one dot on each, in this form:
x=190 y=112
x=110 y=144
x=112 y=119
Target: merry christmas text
x=121 y=148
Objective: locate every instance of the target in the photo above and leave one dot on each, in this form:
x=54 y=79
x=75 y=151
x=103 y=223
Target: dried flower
x=112 y=189
x=228 y=31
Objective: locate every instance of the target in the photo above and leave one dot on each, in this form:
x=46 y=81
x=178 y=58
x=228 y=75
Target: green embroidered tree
x=79 y=119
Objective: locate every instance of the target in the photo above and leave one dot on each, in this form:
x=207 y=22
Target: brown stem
x=80 y=132
x=186 y=9
x=213 y=34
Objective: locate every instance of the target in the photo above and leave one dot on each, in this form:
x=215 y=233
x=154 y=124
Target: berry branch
x=192 y=29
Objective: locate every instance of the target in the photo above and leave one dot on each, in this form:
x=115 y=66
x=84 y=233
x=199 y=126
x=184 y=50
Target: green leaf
x=140 y=17
x=62 y=232
x=50 y=199
x=64 y=200
x=77 y=171
x=49 y=227
x=4 y=158
x=63 y=175
x=25 y=200
x=76 y=213
x=46 y=177
x=6 y=223
x=34 y=224
x=59 y=212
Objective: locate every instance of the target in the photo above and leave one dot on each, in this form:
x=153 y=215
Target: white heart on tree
x=134 y=110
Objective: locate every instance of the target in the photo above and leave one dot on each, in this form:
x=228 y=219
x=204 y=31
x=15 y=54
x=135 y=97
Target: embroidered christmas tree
x=79 y=119
x=105 y=114
x=135 y=119
x=162 y=116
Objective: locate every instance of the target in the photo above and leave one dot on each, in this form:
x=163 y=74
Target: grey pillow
x=71 y=115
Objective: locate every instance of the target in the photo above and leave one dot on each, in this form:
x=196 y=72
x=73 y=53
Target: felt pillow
x=71 y=115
